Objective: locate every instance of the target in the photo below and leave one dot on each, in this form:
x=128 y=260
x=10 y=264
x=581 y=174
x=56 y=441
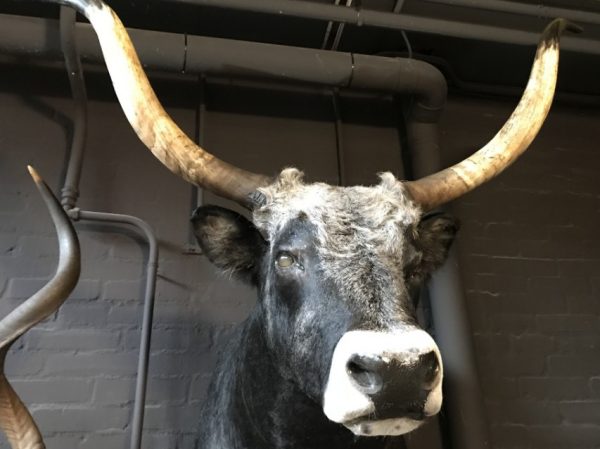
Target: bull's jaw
x=346 y=404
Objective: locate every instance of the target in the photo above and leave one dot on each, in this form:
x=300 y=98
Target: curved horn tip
x=35 y=175
x=561 y=25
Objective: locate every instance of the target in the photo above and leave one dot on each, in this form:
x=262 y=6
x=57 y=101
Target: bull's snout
x=384 y=383
x=398 y=386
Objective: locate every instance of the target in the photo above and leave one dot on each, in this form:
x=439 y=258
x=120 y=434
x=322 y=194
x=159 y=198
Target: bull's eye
x=285 y=260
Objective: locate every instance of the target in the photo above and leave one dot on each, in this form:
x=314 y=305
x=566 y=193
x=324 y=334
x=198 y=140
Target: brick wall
x=529 y=257
x=530 y=261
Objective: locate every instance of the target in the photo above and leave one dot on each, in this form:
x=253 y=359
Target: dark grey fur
x=267 y=390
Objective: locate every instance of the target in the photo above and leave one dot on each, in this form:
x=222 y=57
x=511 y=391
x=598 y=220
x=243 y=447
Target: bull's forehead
x=360 y=237
x=374 y=219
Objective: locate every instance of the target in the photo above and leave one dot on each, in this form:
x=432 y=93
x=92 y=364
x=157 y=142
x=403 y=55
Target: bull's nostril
x=430 y=368
x=363 y=372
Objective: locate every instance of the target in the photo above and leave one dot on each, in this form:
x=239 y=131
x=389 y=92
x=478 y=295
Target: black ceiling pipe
x=201 y=55
x=388 y=20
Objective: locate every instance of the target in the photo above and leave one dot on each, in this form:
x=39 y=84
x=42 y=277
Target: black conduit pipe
x=70 y=193
x=388 y=20
x=168 y=52
x=70 y=190
x=137 y=421
x=465 y=410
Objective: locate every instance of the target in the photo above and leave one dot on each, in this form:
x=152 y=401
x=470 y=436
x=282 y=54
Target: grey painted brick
x=45 y=248
x=554 y=388
x=499 y=388
x=63 y=441
x=20 y=363
x=513 y=323
x=64 y=340
x=494 y=283
x=516 y=231
x=23 y=288
x=159 y=439
x=114 y=391
x=185 y=418
x=580 y=412
x=594 y=383
x=513 y=266
x=81 y=419
x=573 y=365
x=533 y=343
x=576 y=286
x=92 y=363
x=490 y=344
x=172 y=315
x=578 y=267
x=513 y=436
x=164 y=391
x=568 y=324
x=163 y=364
x=93 y=247
x=86 y=289
x=564 y=437
x=129 y=314
x=11 y=204
x=512 y=365
x=9 y=245
x=199 y=386
x=86 y=314
x=123 y=290
x=106 y=440
x=505 y=247
x=580 y=344
x=162 y=339
x=170 y=291
x=526 y=412
x=47 y=390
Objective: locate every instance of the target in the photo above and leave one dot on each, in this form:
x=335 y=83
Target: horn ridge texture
x=15 y=419
x=155 y=128
x=513 y=138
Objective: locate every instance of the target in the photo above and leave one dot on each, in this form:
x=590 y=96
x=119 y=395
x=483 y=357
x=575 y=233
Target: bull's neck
x=269 y=411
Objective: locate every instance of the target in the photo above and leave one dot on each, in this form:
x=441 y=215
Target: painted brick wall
x=530 y=258
x=529 y=254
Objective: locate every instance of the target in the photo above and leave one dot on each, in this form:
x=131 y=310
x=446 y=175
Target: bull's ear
x=229 y=241
x=436 y=233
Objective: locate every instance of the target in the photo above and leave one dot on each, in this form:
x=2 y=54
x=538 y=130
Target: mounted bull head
x=15 y=420
x=333 y=342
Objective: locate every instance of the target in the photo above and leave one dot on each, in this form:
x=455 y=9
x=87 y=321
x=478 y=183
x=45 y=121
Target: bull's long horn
x=15 y=420
x=511 y=141
x=149 y=119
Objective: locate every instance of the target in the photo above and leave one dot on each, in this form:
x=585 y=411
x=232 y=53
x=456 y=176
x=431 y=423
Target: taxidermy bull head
x=332 y=350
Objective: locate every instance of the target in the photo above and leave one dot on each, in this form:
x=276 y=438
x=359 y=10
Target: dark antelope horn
x=511 y=141
x=15 y=420
x=150 y=121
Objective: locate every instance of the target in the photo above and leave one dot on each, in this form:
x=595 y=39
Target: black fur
x=267 y=390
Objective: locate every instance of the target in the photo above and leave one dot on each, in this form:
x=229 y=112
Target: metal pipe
x=213 y=56
x=537 y=10
x=363 y=17
x=340 y=31
x=464 y=400
x=466 y=412
x=339 y=137
x=70 y=190
x=148 y=313
x=70 y=193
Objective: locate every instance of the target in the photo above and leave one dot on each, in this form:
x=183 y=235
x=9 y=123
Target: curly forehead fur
x=360 y=232
x=376 y=213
